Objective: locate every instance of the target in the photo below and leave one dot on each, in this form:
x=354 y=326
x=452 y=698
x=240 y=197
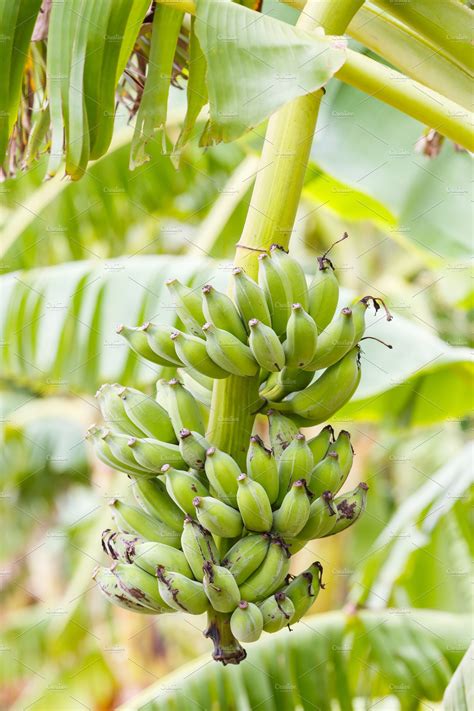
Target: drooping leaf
x=196 y=89
x=274 y=63
x=17 y=20
x=153 y=109
x=459 y=693
x=410 y=656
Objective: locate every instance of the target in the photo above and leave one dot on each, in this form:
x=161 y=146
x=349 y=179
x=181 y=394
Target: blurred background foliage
x=79 y=258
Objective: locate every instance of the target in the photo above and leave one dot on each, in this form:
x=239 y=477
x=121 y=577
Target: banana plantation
x=235 y=342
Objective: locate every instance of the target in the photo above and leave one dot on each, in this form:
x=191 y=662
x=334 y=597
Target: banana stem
x=407 y=95
x=233 y=405
x=227 y=648
x=270 y=219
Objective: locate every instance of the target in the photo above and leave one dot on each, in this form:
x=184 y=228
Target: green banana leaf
x=45 y=311
x=429 y=534
x=328 y=661
x=460 y=690
x=112 y=211
x=274 y=61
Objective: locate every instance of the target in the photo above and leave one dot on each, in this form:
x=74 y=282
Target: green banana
x=112 y=590
x=120 y=451
x=228 y=352
x=119 y=545
x=198 y=547
x=132 y=520
x=323 y=294
x=326 y=476
x=293 y=513
x=152 y=496
x=220 y=587
x=319 y=444
x=270 y=575
x=301 y=338
x=249 y=298
x=304 y=589
x=321 y=520
x=294 y=274
x=265 y=346
x=138 y=342
x=139 y=584
x=147 y=415
x=221 y=311
x=282 y=431
x=95 y=435
x=113 y=410
x=149 y=555
x=246 y=555
x=254 y=505
x=246 y=623
x=219 y=518
x=181 y=593
x=327 y=394
x=192 y=351
x=182 y=408
x=158 y=336
x=222 y=472
x=182 y=487
x=277 y=612
x=262 y=467
x=276 y=287
x=196 y=383
x=334 y=342
x=343 y=448
x=188 y=305
x=286 y=381
x=193 y=448
x=350 y=507
x=296 y=462
x=152 y=454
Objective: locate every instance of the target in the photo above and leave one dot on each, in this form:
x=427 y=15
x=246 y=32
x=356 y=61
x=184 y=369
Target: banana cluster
x=203 y=535
x=279 y=329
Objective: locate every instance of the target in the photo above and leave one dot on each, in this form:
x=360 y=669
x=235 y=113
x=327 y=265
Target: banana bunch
x=204 y=536
x=201 y=534
x=280 y=329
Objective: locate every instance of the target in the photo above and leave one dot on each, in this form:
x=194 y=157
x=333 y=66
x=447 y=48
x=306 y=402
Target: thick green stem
x=408 y=96
x=234 y=403
x=271 y=218
x=226 y=648
x=446 y=23
x=412 y=54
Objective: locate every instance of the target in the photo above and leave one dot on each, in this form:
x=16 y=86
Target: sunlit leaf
x=321 y=661
x=274 y=63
